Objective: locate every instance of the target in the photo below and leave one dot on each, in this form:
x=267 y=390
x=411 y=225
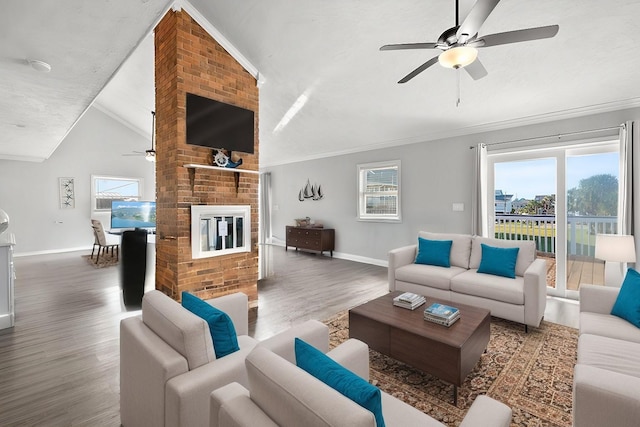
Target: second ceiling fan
x=459 y=44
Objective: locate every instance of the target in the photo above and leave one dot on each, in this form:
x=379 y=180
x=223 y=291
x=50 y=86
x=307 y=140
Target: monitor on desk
x=133 y=214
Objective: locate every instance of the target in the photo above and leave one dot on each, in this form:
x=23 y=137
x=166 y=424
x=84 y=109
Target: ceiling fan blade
x=516 y=36
x=474 y=20
x=476 y=70
x=402 y=46
x=418 y=70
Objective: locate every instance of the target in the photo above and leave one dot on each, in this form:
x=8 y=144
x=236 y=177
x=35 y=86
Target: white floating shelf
x=218 y=168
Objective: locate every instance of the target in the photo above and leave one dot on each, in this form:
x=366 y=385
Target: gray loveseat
x=606 y=380
x=522 y=299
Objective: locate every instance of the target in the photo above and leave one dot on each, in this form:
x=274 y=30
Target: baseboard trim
x=51 y=251
x=347 y=257
x=7 y=320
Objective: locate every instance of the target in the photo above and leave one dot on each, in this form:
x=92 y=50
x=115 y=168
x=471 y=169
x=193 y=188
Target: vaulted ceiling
x=323 y=59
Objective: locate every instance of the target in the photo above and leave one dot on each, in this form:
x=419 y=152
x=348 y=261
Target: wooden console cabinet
x=314 y=239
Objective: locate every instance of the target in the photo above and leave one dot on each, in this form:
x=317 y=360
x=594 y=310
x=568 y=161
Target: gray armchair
x=281 y=394
x=168 y=366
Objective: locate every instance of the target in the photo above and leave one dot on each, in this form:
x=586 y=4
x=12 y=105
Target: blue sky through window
x=126 y=188
x=530 y=178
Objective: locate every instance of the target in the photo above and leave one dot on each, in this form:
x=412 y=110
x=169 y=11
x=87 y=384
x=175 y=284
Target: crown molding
x=571 y=113
x=477 y=129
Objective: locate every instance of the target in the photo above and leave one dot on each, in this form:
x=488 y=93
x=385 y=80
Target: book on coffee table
x=442 y=311
x=440 y=320
x=441 y=314
x=409 y=300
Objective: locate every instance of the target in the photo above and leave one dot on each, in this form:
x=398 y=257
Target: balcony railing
x=581 y=231
x=582 y=267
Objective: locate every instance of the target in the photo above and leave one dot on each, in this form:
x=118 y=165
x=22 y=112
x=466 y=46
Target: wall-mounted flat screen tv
x=214 y=124
x=132 y=214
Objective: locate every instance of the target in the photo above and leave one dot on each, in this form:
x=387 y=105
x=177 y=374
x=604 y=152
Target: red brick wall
x=190 y=60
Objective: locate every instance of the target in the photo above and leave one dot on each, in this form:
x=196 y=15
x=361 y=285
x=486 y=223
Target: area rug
x=530 y=372
x=106 y=260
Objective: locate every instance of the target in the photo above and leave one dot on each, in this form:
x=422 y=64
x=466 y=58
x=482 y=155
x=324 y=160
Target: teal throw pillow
x=339 y=378
x=434 y=252
x=223 y=333
x=498 y=261
x=627 y=305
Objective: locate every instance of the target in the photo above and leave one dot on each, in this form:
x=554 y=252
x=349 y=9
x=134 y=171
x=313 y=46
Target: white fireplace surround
x=220 y=230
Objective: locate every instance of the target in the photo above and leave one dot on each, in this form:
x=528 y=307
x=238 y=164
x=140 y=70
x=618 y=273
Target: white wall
x=434 y=175
x=29 y=191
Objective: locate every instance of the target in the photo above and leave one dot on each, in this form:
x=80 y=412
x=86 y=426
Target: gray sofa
x=606 y=379
x=168 y=366
x=522 y=299
x=281 y=394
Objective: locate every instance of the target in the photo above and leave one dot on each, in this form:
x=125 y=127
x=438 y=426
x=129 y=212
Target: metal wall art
x=310 y=192
x=67 y=193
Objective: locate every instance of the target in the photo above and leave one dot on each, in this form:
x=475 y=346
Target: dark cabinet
x=309 y=238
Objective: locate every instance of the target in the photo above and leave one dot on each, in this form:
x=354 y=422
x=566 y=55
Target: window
x=104 y=189
x=561 y=197
x=379 y=191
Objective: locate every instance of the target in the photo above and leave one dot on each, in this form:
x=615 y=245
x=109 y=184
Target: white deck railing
x=581 y=231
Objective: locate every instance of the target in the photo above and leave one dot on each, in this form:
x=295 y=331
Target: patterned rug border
x=532 y=373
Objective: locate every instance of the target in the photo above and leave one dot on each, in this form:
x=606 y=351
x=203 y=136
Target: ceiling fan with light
x=149 y=155
x=460 y=44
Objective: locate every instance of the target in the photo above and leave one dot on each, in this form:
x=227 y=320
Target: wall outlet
x=458 y=207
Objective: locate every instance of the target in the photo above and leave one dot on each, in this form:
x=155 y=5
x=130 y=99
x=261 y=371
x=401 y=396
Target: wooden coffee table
x=447 y=353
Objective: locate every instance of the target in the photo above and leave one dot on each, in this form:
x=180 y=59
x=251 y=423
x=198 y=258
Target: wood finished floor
x=59 y=365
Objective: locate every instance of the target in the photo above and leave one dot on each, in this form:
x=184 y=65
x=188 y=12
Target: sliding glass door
x=592 y=208
x=560 y=198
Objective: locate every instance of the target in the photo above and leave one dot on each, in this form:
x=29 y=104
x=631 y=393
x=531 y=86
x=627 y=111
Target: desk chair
x=100 y=241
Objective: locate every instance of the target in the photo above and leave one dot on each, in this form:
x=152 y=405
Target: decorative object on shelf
x=4 y=221
x=223 y=160
x=67 y=193
x=303 y=222
x=313 y=192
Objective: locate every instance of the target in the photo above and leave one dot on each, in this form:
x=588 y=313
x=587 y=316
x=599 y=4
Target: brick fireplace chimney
x=189 y=60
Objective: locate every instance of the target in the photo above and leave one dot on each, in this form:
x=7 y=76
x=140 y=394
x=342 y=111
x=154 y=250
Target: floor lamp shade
x=615 y=250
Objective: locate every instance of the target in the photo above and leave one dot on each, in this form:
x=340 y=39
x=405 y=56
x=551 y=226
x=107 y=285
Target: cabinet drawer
x=311 y=244
x=304 y=233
